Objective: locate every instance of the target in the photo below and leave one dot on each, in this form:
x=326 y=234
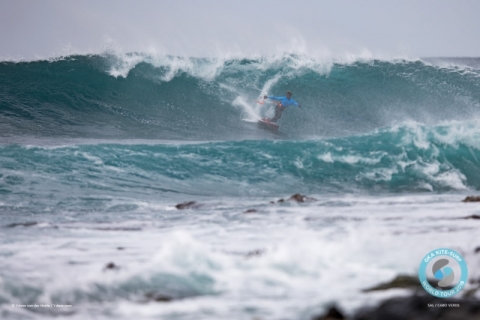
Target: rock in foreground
x=157 y=297
x=188 y=205
x=399 y=282
x=298 y=198
x=472 y=199
x=301 y=198
x=332 y=314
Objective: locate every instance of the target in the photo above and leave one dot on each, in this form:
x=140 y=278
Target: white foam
x=251 y=110
x=207 y=69
x=327 y=157
x=122 y=66
x=295 y=60
x=452 y=179
x=351 y=159
x=311 y=255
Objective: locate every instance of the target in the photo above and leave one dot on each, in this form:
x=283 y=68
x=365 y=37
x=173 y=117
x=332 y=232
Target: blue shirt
x=285 y=101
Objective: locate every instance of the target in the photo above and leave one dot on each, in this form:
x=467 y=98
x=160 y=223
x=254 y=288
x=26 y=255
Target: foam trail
x=270 y=83
x=251 y=111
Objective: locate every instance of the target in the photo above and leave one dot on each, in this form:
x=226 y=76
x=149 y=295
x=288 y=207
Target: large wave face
x=165 y=97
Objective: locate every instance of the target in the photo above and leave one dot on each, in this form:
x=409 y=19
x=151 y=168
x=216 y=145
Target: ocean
x=96 y=152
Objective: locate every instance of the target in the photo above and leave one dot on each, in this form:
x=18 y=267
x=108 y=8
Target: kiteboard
x=264 y=123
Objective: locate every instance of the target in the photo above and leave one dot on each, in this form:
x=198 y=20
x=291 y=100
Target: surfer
x=282 y=104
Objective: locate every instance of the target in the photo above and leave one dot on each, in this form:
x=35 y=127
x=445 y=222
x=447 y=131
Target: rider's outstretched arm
x=273 y=98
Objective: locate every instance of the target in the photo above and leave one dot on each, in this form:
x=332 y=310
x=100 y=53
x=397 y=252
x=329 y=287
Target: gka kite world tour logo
x=443 y=273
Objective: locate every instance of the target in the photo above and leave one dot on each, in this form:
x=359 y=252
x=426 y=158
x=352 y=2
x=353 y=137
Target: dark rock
x=250 y=211
x=473 y=216
x=472 y=199
x=477 y=250
x=301 y=198
x=187 y=205
x=401 y=281
x=110 y=266
x=332 y=314
x=422 y=307
x=158 y=297
x=21 y=224
x=120 y=248
x=296 y=197
x=272 y=202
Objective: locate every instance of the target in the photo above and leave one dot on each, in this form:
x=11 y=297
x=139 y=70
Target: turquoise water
x=404 y=159
x=95 y=152
x=174 y=98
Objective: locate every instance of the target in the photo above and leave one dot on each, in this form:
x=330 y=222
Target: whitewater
x=96 y=151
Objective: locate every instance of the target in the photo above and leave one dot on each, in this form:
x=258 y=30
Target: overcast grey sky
x=412 y=28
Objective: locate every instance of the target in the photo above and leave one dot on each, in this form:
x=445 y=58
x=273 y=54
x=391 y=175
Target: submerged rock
x=188 y=205
x=297 y=197
x=111 y=266
x=301 y=198
x=250 y=211
x=158 y=297
x=472 y=199
x=21 y=224
x=422 y=307
x=473 y=216
x=332 y=314
x=399 y=282
x=255 y=253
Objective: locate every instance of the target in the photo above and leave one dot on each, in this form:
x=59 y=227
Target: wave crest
x=167 y=97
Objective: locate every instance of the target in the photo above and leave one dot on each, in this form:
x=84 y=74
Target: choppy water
x=95 y=151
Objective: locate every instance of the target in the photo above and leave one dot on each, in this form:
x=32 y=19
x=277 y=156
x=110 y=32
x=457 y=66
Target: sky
x=32 y=29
